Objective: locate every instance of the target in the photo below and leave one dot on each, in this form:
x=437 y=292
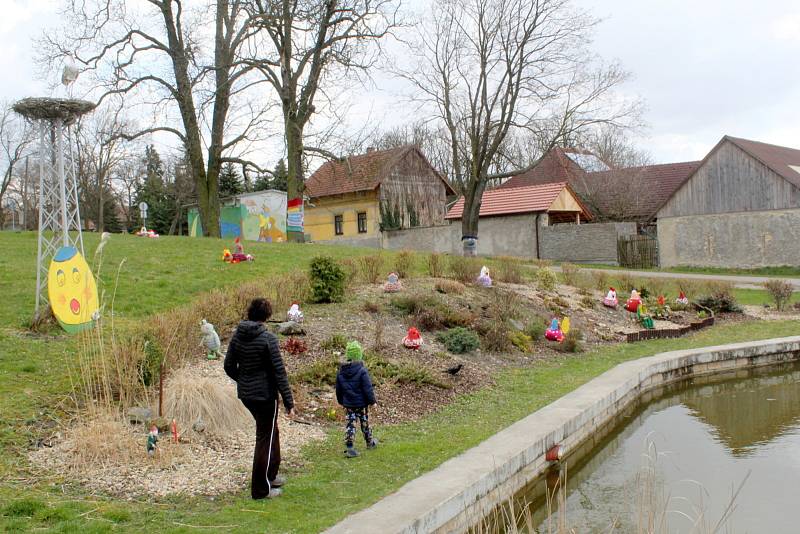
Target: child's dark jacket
x=353 y=386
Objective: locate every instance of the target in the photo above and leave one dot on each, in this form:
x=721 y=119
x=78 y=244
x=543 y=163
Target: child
x=354 y=392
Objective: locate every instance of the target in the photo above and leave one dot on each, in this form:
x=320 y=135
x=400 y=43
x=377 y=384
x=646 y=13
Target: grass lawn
x=785 y=271
x=159 y=275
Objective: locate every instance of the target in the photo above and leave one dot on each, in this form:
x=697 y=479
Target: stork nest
x=65 y=109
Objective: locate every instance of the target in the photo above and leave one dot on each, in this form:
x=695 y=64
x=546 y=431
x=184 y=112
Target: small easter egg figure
x=611 y=300
x=152 y=440
x=484 y=279
x=210 y=340
x=72 y=290
x=412 y=340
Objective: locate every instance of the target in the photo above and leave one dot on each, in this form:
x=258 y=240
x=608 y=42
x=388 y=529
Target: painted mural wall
x=259 y=216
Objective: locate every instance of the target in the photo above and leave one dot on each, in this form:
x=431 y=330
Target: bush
x=459 y=340
x=570 y=272
x=404 y=263
x=509 y=270
x=465 y=270
x=320 y=373
x=327 y=280
x=430 y=313
x=505 y=305
x=337 y=342
x=781 y=292
x=449 y=287
x=150 y=365
x=546 y=279
x=384 y=370
x=719 y=299
x=370 y=306
x=435 y=264
x=495 y=336
x=588 y=302
x=294 y=346
x=535 y=329
x=521 y=340
x=371 y=268
x=572 y=341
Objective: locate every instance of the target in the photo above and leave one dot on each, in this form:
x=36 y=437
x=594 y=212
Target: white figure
x=484 y=279
x=210 y=340
x=294 y=313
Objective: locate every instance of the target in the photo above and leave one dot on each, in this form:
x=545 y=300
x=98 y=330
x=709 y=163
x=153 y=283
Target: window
x=338 y=224
x=362 y=222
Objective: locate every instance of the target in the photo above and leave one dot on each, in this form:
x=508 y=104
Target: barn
x=739 y=208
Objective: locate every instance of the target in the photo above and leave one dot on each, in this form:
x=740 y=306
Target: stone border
x=642 y=335
x=462 y=490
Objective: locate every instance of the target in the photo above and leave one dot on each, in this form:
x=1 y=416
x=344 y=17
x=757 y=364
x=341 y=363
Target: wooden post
x=161 y=391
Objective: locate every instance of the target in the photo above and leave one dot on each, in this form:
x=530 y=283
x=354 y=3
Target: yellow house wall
x=319 y=217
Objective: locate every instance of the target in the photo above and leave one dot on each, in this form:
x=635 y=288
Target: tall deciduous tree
x=493 y=67
x=309 y=43
x=14 y=142
x=159 y=53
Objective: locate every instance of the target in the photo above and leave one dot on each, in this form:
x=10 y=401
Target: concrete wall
x=742 y=240
x=583 y=243
x=443 y=238
x=458 y=493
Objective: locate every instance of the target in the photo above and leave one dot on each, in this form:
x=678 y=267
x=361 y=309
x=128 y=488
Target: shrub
x=570 y=272
x=459 y=340
x=337 y=342
x=572 y=341
x=384 y=370
x=509 y=270
x=535 y=329
x=435 y=264
x=719 y=299
x=412 y=303
x=404 y=263
x=505 y=305
x=350 y=266
x=449 y=287
x=463 y=269
x=371 y=268
x=294 y=346
x=521 y=340
x=370 y=306
x=150 y=365
x=320 y=373
x=781 y=292
x=546 y=279
x=430 y=313
x=327 y=280
x=495 y=336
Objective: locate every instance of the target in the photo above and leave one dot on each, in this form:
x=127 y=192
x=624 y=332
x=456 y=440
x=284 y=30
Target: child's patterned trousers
x=362 y=414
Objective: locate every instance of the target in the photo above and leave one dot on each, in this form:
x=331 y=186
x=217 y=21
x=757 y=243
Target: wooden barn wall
x=415 y=192
x=731 y=181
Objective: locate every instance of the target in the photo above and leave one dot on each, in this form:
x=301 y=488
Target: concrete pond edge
x=463 y=489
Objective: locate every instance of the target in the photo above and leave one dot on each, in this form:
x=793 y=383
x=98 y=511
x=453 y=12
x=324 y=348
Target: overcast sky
x=703 y=68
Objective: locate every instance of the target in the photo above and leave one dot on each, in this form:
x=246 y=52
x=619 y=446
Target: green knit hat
x=354 y=352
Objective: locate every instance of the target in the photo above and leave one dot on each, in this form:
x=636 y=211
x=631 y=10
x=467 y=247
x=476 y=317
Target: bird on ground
x=455 y=369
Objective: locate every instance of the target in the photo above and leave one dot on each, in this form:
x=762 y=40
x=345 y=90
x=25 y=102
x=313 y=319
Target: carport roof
x=516 y=200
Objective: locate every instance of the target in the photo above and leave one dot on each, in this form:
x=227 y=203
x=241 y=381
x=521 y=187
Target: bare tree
x=156 y=55
x=614 y=146
x=492 y=67
x=14 y=142
x=309 y=43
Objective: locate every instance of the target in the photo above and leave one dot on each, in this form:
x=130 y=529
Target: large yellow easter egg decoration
x=72 y=290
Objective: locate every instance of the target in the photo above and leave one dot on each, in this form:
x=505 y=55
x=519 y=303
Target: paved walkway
x=744 y=282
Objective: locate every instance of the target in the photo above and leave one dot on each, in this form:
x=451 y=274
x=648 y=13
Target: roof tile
x=512 y=200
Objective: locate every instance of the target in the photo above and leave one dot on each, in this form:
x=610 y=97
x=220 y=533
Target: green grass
x=160 y=275
x=785 y=271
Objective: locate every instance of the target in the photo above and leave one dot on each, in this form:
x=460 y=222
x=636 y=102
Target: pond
x=704 y=450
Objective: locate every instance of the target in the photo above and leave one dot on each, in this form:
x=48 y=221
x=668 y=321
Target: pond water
x=683 y=455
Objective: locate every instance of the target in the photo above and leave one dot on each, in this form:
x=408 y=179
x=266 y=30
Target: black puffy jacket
x=353 y=386
x=254 y=361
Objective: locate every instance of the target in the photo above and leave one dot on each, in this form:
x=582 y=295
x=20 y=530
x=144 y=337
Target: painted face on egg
x=72 y=290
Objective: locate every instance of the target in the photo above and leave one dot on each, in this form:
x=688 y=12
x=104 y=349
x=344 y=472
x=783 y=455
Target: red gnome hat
x=682 y=295
x=413 y=334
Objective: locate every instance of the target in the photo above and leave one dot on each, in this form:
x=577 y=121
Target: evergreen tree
x=154 y=191
x=230 y=183
x=279 y=176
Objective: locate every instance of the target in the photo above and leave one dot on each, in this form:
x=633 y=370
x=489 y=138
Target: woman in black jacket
x=254 y=361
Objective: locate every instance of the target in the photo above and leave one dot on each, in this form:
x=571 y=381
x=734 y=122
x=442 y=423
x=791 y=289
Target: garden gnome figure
x=238 y=245
x=412 y=340
x=484 y=279
x=633 y=303
x=294 y=313
x=152 y=440
x=392 y=284
x=682 y=299
x=554 y=333
x=210 y=340
x=611 y=300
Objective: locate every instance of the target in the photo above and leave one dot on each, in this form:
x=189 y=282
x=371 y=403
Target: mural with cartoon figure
x=259 y=216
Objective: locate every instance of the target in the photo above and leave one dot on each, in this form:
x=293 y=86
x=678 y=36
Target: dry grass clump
x=449 y=287
x=600 y=280
x=464 y=269
x=350 y=267
x=404 y=263
x=509 y=270
x=190 y=398
x=505 y=305
x=546 y=279
x=371 y=268
x=570 y=272
x=435 y=264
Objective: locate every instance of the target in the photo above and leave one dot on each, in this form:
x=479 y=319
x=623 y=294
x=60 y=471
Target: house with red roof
x=740 y=207
x=353 y=200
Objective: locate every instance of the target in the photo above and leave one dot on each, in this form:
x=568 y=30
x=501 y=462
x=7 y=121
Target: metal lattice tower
x=59 y=210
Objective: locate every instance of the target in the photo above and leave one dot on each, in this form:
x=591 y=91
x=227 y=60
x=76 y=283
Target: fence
x=637 y=251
